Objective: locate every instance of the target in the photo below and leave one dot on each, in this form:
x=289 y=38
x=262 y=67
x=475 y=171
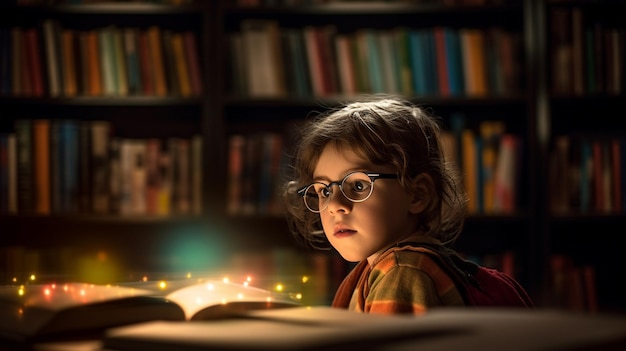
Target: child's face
x=364 y=229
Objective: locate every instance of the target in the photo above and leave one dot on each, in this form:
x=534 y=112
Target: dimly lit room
x=312 y=174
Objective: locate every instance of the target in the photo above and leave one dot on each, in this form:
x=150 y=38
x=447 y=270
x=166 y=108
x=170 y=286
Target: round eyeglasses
x=355 y=186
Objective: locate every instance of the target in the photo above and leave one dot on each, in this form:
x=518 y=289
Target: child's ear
x=423 y=193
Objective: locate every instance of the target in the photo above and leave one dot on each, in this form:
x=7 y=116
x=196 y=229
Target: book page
x=214 y=299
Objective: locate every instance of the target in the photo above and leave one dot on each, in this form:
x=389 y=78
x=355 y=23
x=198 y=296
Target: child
x=372 y=181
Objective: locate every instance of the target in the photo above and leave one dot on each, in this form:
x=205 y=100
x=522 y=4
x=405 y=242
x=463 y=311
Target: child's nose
x=338 y=202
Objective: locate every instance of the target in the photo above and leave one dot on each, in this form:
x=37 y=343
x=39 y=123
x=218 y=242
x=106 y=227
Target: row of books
x=587 y=175
x=490 y=162
x=587 y=56
x=78 y=167
x=50 y=60
x=270 y=61
x=256 y=170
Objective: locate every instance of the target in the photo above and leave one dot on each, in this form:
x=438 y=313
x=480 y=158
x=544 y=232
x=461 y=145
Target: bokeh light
x=194 y=249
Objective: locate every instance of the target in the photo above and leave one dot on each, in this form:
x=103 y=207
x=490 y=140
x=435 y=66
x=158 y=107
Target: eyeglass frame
x=373 y=176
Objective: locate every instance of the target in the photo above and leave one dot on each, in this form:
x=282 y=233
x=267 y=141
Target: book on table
x=44 y=311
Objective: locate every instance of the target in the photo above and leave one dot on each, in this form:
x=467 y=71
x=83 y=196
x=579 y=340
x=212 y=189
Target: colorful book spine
x=193 y=62
x=417 y=55
x=132 y=61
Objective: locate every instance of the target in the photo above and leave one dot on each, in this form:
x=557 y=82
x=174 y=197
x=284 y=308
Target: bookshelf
x=246 y=109
x=524 y=100
x=583 y=56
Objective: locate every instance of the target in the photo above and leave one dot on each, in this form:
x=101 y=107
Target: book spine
x=401 y=39
x=107 y=62
x=165 y=169
x=25 y=187
x=374 y=63
x=417 y=57
x=470 y=169
x=182 y=70
x=196 y=174
x=34 y=59
x=441 y=63
x=100 y=166
x=55 y=166
x=183 y=205
x=146 y=64
x=85 y=167
x=50 y=29
x=347 y=82
x=69 y=141
x=121 y=74
x=173 y=82
x=27 y=69
x=155 y=49
x=12 y=179
x=325 y=39
x=114 y=184
x=314 y=60
x=68 y=55
x=153 y=181
x=17 y=60
x=41 y=166
x=95 y=71
x=126 y=159
x=236 y=152
x=454 y=65
x=132 y=61
x=193 y=62
x=138 y=177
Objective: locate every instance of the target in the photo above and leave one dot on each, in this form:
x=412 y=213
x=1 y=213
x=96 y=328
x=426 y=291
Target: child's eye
x=325 y=192
x=322 y=191
x=358 y=186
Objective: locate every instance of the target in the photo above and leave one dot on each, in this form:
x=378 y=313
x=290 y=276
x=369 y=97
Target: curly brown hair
x=387 y=131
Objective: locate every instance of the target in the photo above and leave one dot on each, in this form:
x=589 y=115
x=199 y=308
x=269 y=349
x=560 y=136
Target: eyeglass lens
x=356 y=187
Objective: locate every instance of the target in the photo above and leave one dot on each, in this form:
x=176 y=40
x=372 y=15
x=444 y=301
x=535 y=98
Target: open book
x=37 y=312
